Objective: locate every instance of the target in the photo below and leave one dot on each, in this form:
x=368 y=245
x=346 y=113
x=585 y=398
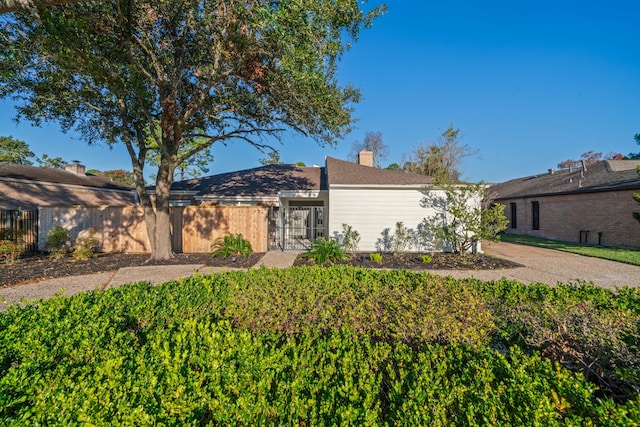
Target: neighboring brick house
x=28 y=187
x=588 y=204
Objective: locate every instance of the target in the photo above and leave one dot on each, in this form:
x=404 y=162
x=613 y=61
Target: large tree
x=219 y=71
x=15 y=151
x=372 y=142
x=441 y=160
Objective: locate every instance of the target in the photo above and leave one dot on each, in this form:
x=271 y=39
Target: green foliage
x=58 y=241
x=586 y=329
x=11 y=245
x=15 y=151
x=426 y=259
x=390 y=306
x=219 y=350
x=462 y=221
x=402 y=239
x=231 y=245
x=324 y=250
x=51 y=162
x=86 y=247
x=350 y=239
x=628 y=256
x=376 y=257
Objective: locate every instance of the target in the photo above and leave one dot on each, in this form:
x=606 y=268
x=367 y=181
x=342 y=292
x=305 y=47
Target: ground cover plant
x=322 y=346
x=628 y=256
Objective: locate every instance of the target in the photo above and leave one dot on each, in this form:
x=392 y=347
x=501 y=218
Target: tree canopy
x=442 y=159
x=221 y=72
x=15 y=151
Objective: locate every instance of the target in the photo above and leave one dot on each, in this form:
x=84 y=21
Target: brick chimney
x=75 y=168
x=365 y=158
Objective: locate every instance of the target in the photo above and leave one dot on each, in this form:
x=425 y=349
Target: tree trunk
x=160 y=233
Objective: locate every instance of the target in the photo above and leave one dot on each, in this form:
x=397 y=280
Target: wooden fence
x=122 y=229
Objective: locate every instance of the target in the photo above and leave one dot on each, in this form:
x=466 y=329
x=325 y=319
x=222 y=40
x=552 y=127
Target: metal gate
x=22 y=224
x=293 y=228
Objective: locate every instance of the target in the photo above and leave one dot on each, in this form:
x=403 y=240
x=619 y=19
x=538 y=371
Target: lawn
x=627 y=256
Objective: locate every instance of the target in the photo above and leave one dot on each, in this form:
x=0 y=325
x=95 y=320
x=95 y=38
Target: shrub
x=376 y=257
x=402 y=239
x=584 y=328
x=11 y=245
x=426 y=259
x=58 y=241
x=231 y=245
x=350 y=238
x=86 y=248
x=325 y=250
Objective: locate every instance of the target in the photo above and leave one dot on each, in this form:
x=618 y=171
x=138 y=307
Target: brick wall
x=562 y=217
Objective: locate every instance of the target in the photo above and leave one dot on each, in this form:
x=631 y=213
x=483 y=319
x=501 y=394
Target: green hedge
x=303 y=346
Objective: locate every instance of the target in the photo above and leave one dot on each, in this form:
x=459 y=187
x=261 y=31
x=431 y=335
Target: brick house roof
x=264 y=181
x=607 y=175
x=341 y=172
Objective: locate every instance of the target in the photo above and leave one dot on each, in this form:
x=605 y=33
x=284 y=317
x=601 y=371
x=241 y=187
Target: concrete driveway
x=553 y=267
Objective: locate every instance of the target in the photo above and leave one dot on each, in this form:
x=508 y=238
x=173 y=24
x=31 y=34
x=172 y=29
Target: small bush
x=231 y=245
x=402 y=239
x=376 y=257
x=350 y=238
x=325 y=250
x=426 y=259
x=58 y=241
x=11 y=245
x=86 y=247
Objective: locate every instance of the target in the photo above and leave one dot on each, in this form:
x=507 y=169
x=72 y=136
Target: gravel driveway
x=551 y=267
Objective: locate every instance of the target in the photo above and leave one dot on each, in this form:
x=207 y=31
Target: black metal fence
x=23 y=224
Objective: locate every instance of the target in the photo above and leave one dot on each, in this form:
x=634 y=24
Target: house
x=309 y=202
x=27 y=188
x=585 y=203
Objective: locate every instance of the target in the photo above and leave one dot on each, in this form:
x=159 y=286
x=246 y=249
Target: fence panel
x=194 y=228
x=202 y=225
x=22 y=223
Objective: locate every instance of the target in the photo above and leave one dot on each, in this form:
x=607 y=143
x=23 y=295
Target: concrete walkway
x=539 y=266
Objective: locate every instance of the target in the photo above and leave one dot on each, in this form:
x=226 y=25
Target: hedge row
x=316 y=346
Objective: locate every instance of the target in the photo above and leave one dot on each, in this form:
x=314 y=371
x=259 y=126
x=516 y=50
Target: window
x=535 y=215
x=514 y=215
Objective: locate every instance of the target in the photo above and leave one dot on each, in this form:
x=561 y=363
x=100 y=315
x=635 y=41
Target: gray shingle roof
x=341 y=172
x=57 y=176
x=606 y=175
x=263 y=181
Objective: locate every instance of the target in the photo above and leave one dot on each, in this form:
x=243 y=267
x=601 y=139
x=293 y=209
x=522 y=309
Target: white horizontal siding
x=370 y=211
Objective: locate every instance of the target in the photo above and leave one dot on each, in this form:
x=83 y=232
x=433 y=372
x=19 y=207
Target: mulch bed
x=413 y=261
x=39 y=266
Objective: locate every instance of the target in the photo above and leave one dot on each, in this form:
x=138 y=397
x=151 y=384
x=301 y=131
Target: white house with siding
x=310 y=202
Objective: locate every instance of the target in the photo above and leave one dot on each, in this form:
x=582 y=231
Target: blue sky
x=529 y=84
